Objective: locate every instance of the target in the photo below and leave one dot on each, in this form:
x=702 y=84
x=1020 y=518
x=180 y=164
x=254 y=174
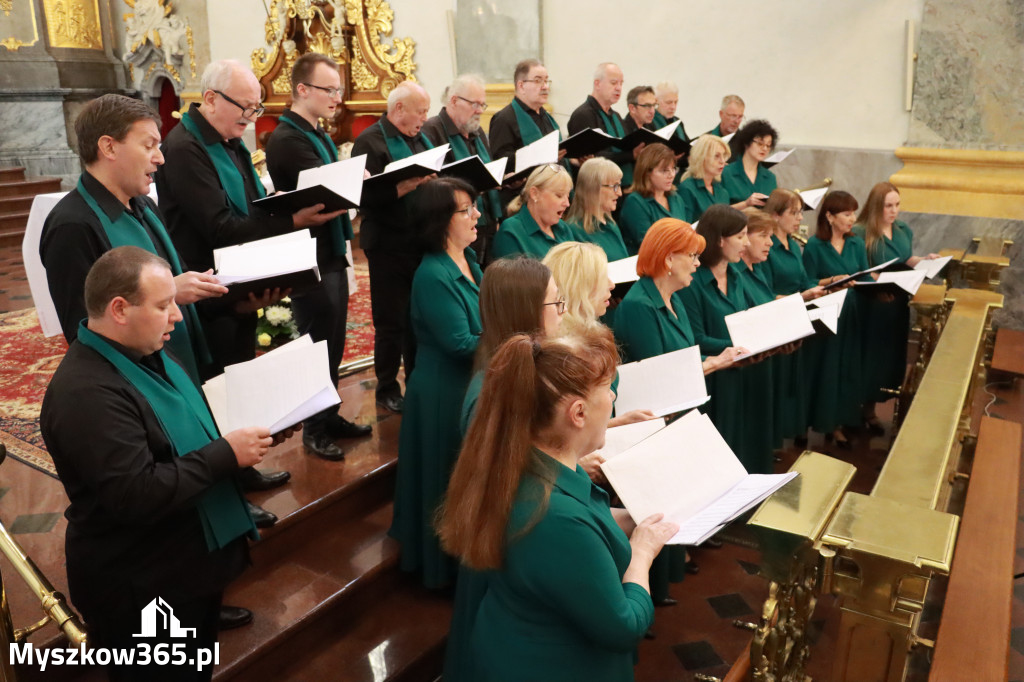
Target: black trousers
x=323 y=314
x=115 y=625
x=230 y=337
x=391 y=274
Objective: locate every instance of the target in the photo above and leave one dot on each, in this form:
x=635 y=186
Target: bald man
x=388 y=235
x=597 y=112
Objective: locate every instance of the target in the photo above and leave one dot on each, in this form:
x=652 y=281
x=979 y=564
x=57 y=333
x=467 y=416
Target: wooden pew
x=974 y=634
x=1008 y=355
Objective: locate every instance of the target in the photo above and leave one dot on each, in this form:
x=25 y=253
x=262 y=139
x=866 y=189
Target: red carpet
x=28 y=360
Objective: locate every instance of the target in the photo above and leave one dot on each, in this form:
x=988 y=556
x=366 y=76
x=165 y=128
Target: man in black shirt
x=459 y=125
x=206 y=189
x=154 y=512
x=388 y=235
x=297 y=144
x=597 y=112
x=641 y=102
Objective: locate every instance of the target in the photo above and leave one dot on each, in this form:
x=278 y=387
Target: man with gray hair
x=459 y=125
x=388 y=235
x=597 y=112
x=667 y=94
x=730 y=116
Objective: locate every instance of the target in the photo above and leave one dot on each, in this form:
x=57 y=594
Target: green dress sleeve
x=504 y=243
x=811 y=261
x=691 y=207
x=698 y=310
x=444 y=312
x=637 y=329
x=634 y=221
x=734 y=185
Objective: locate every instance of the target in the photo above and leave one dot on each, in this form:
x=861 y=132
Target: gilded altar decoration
x=74 y=24
x=153 y=27
x=282 y=84
x=22 y=24
x=372 y=19
x=7 y=6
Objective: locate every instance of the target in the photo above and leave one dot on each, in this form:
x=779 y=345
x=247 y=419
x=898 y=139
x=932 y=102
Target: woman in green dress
x=787 y=276
x=535 y=223
x=652 y=197
x=521 y=509
x=837 y=389
x=446 y=319
x=887 y=325
x=719 y=289
x=746 y=179
x=598 y=188
x=701 y=186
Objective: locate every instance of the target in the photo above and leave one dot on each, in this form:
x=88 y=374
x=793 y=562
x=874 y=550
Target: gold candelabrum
x=55 y=609
x=878 y=552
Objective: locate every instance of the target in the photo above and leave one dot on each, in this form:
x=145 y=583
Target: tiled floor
x=697 y=636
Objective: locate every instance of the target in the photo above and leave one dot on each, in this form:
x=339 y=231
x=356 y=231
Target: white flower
x=277 y=315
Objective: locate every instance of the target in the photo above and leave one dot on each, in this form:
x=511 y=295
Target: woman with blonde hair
x=536 y=221
x=598 y=188
x=653 y=195
x=701 y=186
x=887 y=319
x=520 y=508
x=581 y=274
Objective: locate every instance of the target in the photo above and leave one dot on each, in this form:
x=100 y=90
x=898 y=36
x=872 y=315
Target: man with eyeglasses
x=389 y=237
x=730 y=116
x=298 y=143
x=597 y=112
x=642 y=104
x=459 y=125
x=206 y=188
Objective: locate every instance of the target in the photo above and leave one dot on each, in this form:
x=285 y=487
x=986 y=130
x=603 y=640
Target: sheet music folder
x=416 y=166
x=687 y=472
x=587 y=142
x=286 y=261
x=769 y=325
x=850 y=278
x=664 y=384
x=338 y=186
x=482 y=176
x=665 y=136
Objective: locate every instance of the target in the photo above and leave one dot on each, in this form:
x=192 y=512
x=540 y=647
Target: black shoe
x=843 y=444
x=253 y=479
x=667 y=601
x=874 y=426
x=339 y=427
x=712 y=543
x=261 y=516
x=231 y=617
x=392 y=403
x=322 y=445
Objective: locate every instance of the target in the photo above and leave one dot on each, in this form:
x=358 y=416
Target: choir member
x=667 y=93
x=521 y=509
x=446 y=319
x=641 y=103
x=702 y=186
x=835 y=361
x=730 y=116
x=535 y=223
x=654 y=196
x=597 y=112
x=887 y=318
x=389 y=238
x=299 y=143
x=524 y=120
x=746 y=180
x=598 y=188
x=580 y=271
x=459 y=125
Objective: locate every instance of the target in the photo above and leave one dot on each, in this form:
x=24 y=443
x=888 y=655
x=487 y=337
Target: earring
x=669 y=273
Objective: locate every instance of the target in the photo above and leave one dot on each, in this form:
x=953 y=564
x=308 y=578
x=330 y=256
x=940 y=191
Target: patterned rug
x=28 y=360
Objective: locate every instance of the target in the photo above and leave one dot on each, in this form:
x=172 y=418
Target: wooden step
x=12 y=174
x=29 y=188
x=15 y=205
x=13 y=223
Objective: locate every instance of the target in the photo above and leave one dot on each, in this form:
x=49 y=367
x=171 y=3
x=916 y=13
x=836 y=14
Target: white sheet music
x=908 y=280
x=829 y=316
x=779 y=157
x=497 y=168
x=932 y=267
x=813 y=197
x=667 y=131
x=624 y=270
x=432 y=158
x=544 y=150
x=769 y=325
x=290 y=252
x=618 y=439
x=835 y=299
x=743 y=496
x=344 y=178
x=664 y=384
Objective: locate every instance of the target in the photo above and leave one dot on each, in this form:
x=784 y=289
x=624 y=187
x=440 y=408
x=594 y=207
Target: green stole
x=489 y=203
x=128 y=231
x=398 y=148
x=530 y=131
x=340 y=227
x=186 y=421
x=611 y=123
x=227 y=171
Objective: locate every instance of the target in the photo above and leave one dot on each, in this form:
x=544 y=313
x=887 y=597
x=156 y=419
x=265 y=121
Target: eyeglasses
x=469 y=211
x=247 y=112
x=645 y=106
x=482 y=106
x=331 y=92
x=559 y=306
x=667 y=170
x=537 y=81
x=763 y=144
x=617 y=187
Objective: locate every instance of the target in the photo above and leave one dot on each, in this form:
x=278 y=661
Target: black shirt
x=199 y=216
x=504 y=131
x=289 y=152
x=441 y=129
x=588 y=115
x=73 y=239
x=388 y=222
x=132 y=522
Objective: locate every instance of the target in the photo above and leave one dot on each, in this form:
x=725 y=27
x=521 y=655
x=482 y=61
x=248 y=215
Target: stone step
x=12 y=174
x=15 y=205
x=29 y=188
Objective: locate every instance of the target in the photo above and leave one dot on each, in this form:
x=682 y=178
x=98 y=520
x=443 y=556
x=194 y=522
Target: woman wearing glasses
x=653 y=195
x=536 y=214
x=446 y=320
x=746 y=180
x=598 y=188
x=701 y=186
